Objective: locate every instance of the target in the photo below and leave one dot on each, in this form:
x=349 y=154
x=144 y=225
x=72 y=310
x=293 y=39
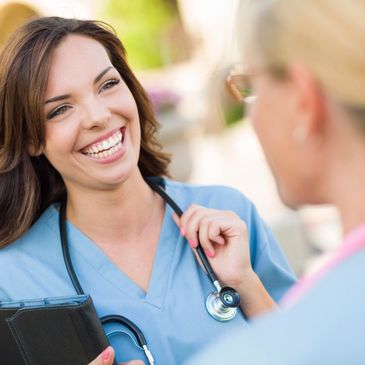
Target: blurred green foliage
x=233 y=113
x=142 y=26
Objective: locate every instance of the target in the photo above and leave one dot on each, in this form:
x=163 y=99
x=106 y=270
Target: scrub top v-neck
x=85 y=250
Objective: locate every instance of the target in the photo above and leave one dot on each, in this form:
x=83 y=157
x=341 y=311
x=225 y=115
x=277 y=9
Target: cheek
x=60 y=137
x=129 y=110
x=264 y=126
x=272 y=127
x=124 y=104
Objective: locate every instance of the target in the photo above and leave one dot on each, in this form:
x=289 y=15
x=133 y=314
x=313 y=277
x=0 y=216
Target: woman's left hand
x=224 y=238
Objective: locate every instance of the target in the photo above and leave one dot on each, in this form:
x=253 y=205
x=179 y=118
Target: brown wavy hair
x=28 y=185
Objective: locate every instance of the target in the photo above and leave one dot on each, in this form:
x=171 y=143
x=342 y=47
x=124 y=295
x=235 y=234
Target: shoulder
x=35 y=241
x=46 y=223
x=212 y=196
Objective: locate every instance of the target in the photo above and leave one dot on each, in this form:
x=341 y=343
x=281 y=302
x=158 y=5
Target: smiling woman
x=77 y=152
x=92 y=123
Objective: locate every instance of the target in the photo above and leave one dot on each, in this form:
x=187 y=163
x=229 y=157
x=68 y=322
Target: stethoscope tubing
x=137 y=332
x=157 y=188
x=155 y=184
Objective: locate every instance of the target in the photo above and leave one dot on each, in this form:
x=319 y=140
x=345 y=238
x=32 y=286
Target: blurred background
x=181 y=51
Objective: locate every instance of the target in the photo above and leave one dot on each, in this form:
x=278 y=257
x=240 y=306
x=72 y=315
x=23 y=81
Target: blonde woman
x=306 y=65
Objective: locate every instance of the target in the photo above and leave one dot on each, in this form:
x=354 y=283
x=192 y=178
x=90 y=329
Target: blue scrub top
x=172 y=314
x=325 y=326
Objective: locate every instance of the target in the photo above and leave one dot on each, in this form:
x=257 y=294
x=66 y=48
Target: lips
x=105 y=147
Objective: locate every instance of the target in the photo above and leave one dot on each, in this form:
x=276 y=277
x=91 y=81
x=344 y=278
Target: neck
x=351 y=211
x=120 y=213
x=341 y=173
x=346 y=182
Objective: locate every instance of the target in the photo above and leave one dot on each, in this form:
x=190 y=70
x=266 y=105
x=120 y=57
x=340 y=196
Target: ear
x=311 y=105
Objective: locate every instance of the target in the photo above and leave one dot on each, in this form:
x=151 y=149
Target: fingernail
x=182 y=231
x=106 y=354
x=192 y=243
x=209 y=253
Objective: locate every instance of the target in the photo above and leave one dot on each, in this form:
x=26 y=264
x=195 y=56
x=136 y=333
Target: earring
x=300 y=133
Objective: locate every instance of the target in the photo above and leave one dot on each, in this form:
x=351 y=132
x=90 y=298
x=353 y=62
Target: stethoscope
x=221 y=304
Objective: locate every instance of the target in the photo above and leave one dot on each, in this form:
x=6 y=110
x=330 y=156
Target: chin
x=289 y=199
x=297 y=199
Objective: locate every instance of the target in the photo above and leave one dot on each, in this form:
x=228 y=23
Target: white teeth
x=105 y=148
x=106 y=153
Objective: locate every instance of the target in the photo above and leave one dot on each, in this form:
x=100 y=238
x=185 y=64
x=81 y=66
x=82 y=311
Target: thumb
x=105 y=358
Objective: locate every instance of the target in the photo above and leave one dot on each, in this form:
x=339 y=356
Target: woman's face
x=274 y=117
x=92 y=124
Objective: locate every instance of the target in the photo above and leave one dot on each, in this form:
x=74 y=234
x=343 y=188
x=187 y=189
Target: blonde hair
x=328 y=36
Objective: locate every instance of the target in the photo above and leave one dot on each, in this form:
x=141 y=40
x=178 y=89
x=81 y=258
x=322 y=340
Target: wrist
x=245 y=282
x=255 y=299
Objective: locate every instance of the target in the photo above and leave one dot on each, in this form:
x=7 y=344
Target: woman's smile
x=107 y=148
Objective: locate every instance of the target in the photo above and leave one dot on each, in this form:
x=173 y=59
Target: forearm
x=255 y=299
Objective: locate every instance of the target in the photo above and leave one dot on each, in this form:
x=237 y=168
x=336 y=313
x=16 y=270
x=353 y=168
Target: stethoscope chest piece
x=222 y=305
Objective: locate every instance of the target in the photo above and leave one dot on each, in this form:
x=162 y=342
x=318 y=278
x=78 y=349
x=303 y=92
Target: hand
x=107 y=358
x=224 y=238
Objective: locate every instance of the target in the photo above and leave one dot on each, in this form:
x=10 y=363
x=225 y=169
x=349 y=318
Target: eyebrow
x=66 y=96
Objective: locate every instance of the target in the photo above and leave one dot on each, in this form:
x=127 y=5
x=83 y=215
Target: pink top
x=353 y=242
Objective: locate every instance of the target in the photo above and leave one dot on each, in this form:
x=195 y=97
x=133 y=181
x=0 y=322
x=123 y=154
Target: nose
x=96 y=114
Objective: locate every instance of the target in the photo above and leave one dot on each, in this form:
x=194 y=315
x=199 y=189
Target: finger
x=210 y=233
x=186 y=227
x=204 y=239
x=105 y=358
x=177 y=220
x=219 y=228
x=133 y=362
x=194 y=225
x=215 y=232
x=198 y=222
x=190 y=211
x=233 y=226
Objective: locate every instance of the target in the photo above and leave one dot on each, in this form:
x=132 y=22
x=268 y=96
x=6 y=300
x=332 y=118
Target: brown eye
x=109 y=84
x=58 y=111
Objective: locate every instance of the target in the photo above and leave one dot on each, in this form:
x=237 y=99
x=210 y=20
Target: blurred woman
x=305 y=65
